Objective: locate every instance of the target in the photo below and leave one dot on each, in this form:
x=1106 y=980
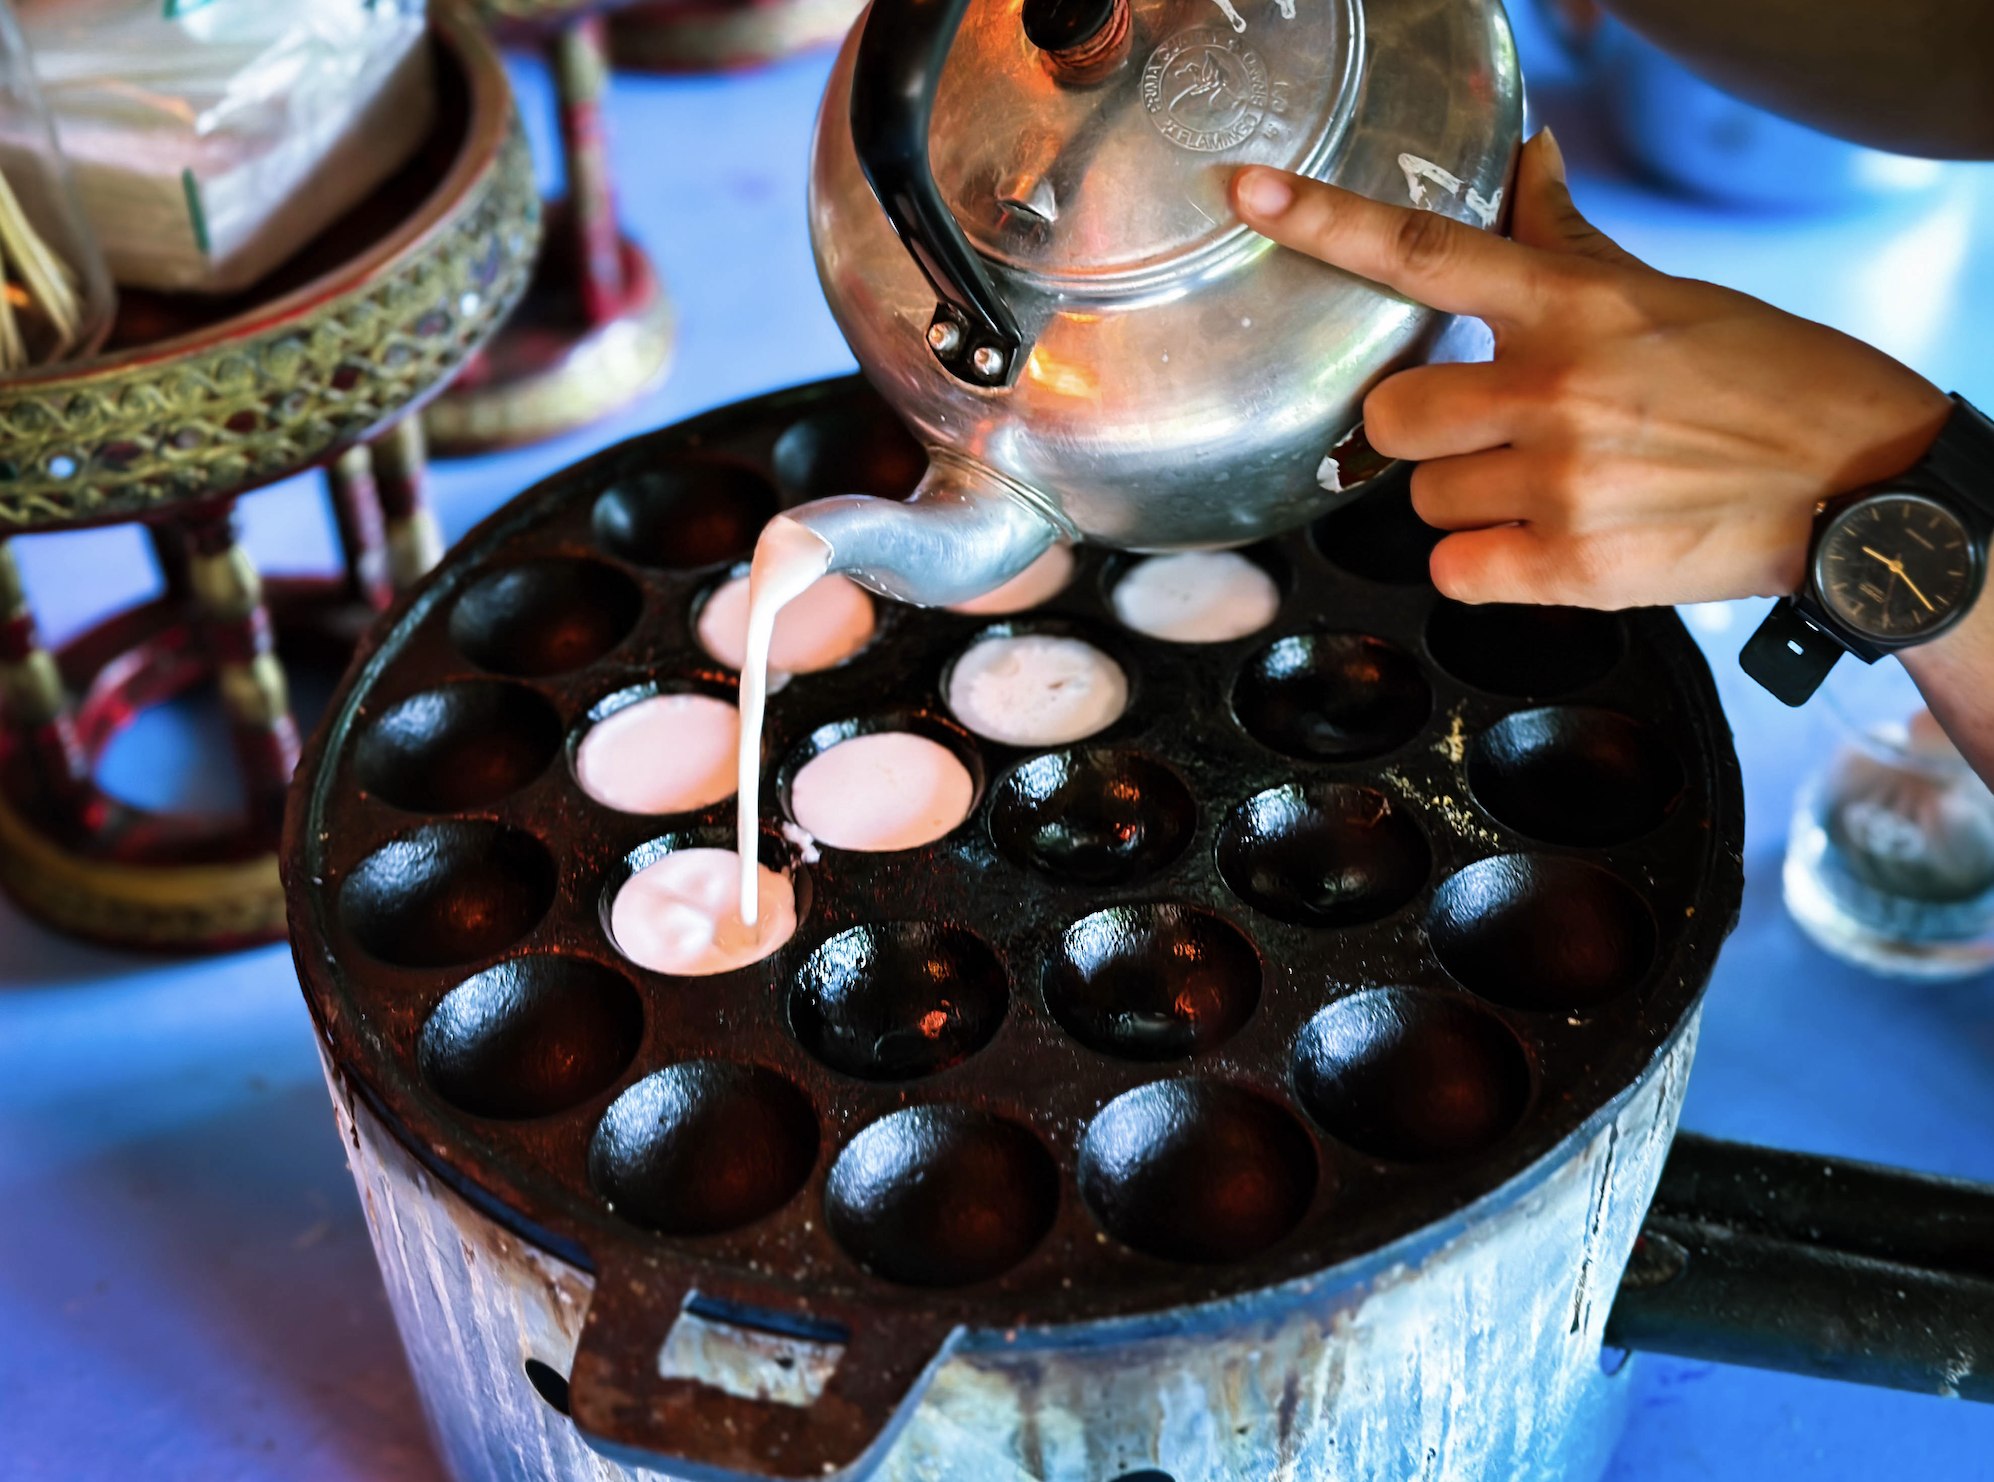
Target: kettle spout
x=965 y=531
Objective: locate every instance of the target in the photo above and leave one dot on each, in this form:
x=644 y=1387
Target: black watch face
x=1896 y=567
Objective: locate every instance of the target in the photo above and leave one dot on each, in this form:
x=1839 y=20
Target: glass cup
x=1890 y=859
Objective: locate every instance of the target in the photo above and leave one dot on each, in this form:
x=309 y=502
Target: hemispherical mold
x=545 y=617
x=1411 y=1075
x=1156 y=982
x=1094 y=817
x=1323 y=854
x=531 y=1037
x=1575 y=775
x=458 y=746
x=1331 y=697
x=703 y=1146
x=899 y=1000
x=1525 y=653
x=684 y=515
x=862 y=450
x=1378 y=537
x=733 y=948
x=941 y=1196
x=930 y=727
x=1037 y=682
x=447 y=893
x=1543 y=932
x=1197 y=1171
x=1198 y=597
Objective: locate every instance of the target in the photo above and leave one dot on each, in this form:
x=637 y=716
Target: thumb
x=1544 y=216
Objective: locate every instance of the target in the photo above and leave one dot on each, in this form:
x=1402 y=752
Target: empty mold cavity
x=1527 y=653
x=1577 y=776
x=447 y=893
x=1197 y=1171
x=1379 y=538
x=531 y=1037
x=459 y=746
x=1024 y=688
x=545 y=617
x=1541 y=932
x=703 y=1146
x=660 y=754
x=859 y=451
x=1152 y=982
x=941 y=1196
x=882 y=784
x=1093 y=817
x=1195 y=596
x=1331 y=697
x=1411 y=1075
x=684 y=515
x=898 y=1000
x=1324 y=854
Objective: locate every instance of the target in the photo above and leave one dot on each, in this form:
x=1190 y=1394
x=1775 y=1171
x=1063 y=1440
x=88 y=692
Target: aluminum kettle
x=1021 y=219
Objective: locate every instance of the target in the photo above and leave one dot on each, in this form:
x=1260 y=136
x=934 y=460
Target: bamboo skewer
x=44 y=278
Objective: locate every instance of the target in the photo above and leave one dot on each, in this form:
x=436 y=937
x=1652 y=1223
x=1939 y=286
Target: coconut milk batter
x=829 y=621
x=1196 y=597
x=892 y=790
x=667 y=754
x=682 y=914
x=1044 y=579
x=1036 y=690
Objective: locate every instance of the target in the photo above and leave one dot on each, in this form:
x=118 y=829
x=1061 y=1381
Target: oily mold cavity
x=703 y=1146
x=1526 y=653
x=865 y=453
x=1331 y=697
x=1323 y=854
x=457 y=746
x=1157 y=982
x=1411 y=1075
x=685 y=515
x=1573 y=775
x=545 y=617
x=1094 y=817
x=941 y=1195
x=1542 y=931
x=531 y=1036
x=1199 y=1171
x=898 y=1000
x=448 y=893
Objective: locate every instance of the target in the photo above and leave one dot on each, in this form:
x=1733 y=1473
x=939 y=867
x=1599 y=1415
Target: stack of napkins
x=211 y=139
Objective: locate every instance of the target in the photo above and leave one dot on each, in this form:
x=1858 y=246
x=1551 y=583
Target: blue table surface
x=186 y=1285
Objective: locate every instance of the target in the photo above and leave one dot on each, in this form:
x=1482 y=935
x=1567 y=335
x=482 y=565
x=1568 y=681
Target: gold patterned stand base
x=549 y=371
x=710 y=37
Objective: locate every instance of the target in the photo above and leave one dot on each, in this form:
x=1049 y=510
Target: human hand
x=1638 y=439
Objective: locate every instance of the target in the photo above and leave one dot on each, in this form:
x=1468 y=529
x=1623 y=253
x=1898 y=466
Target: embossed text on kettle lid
x=1072 y=180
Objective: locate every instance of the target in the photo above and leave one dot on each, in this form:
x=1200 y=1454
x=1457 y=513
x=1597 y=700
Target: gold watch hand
x=1896 y=568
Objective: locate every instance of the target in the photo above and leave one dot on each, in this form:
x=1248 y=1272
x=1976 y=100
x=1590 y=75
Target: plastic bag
x=211 y=139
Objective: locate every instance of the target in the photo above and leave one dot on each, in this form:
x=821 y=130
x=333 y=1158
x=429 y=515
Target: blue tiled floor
x=186 y=1288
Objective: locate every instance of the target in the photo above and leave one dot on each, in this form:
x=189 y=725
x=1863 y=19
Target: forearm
x=1956 y=675
x=1913 y=76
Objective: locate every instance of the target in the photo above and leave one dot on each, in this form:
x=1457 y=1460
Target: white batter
x=667 y=754
x=1037 y=690
x=881 y=792
x=682 y=914
x=828 y=622
x=1196 y=597
x=1039 y=582
x=788 y=558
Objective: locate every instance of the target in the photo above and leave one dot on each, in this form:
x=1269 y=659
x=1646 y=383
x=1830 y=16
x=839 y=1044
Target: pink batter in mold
x=825 y=624
x=682 y=914
x=891 y=790
x=668 y=754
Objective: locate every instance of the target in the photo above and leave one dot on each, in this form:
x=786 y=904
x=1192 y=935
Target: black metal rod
x=1815 y=1266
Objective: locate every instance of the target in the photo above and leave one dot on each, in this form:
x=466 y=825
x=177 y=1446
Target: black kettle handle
x=894 y=78
x=1818 y=1266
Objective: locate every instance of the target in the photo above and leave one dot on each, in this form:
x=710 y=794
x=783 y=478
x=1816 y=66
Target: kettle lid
x=1078 y=141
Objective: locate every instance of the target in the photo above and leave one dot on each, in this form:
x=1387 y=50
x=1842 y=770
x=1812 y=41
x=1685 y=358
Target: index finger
x=1442 y=263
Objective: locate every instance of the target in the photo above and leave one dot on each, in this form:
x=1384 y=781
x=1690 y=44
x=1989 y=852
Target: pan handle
x=1815 y=1266
x=817 y=1395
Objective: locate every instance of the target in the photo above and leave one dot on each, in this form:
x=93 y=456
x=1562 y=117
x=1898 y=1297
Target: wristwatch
x=1891 y=566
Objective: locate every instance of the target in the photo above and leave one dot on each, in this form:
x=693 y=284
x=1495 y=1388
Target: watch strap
x=1962 y=459
x=1789 y=655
